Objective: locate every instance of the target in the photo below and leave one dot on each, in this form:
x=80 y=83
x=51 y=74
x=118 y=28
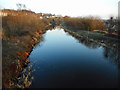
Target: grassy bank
x=20 y=33
x=95 y=40
x=91 y=28
x=102 y=39
x=93 y=24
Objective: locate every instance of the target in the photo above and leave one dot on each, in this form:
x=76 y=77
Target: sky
x=74 y=8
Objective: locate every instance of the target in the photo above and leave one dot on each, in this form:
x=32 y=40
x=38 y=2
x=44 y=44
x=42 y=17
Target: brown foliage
x=88 y=23
x=19 y=32
x=22 y=25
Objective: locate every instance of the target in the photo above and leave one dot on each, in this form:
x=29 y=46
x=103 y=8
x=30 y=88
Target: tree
x=21 y=6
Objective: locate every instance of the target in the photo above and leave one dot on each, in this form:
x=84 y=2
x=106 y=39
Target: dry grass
x=88 y=23
x=20 y=33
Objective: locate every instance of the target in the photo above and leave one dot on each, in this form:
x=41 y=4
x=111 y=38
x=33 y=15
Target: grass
x=20 y=33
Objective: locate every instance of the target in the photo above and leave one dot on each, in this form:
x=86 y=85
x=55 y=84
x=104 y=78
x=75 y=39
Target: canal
x=62 y=61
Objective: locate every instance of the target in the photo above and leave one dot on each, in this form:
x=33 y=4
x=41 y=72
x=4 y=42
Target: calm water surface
x=60 y=60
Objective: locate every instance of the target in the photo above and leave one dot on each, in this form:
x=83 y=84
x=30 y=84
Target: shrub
x=22 y=24
x=87 y=23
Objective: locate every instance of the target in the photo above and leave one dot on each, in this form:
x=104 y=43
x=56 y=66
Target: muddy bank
x=16 y=74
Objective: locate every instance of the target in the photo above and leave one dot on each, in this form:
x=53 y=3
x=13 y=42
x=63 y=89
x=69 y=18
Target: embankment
x=19 y=35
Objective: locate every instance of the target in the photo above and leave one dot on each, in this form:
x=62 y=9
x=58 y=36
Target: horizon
x=74 y=8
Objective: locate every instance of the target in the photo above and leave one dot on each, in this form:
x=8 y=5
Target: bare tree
x=21 y=6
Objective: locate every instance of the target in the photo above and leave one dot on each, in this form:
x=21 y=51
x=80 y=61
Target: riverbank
x=22 y=30
x=16 y=61
x=100 y=38
x=95 y=40
x=92 y=24
x=19 y=35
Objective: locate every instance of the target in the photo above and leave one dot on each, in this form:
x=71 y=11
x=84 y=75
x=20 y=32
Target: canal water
x=61 y=61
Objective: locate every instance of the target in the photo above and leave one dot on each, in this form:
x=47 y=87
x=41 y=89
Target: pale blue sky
x=102 y=8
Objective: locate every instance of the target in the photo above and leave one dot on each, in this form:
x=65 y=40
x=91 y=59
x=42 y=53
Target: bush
x=22 y=24
x=87 y=23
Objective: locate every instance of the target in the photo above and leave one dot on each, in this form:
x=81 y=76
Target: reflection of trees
x=112 y=55
x=110 y=46
x=88 y=43
x=52 y=27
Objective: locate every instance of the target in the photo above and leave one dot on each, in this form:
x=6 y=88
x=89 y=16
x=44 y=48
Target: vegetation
x=14 y=26
x=88 y=23
x=93 y=33
x=20 y=33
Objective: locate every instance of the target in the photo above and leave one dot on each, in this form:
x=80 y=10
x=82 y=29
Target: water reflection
x=110 y=46
x=112 y=55
x=67 y=60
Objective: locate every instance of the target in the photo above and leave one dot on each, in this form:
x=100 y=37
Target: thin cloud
x=102 y=8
